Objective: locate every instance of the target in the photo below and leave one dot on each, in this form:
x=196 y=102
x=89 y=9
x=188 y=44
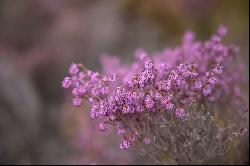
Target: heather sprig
x=163 y=104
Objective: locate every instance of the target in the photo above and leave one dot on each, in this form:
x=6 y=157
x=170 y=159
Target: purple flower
x=180 y=113
x=77 y=101
x=95 y=92
x=212 y=80
x=112 y=117
x=147 y=140
x=198 y=84
x=82 y=91
x=102 y=127
x=125 y=145
x=73 y=69
x=121 y=131
x=222 y=30
x=207 y=90
x=66 y=83
x=167 y=104
x=75 y=92
x=93 y=114
x=218 y=69
x=149 y=103
x=111 y=77
x=164 y=85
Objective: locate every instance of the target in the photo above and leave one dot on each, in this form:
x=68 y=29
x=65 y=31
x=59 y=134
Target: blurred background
x=39 y=39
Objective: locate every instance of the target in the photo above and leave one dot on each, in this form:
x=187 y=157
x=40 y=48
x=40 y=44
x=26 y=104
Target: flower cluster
x=169 y=83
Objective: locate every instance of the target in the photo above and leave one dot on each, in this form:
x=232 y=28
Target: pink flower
x=73 y=69
x=102 y=127
x=125 y=145
x=147 y=140
x=77 y=101
x=66 y=83
x=180 y=113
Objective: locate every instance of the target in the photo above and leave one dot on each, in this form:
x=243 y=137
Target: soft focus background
x=39 y=39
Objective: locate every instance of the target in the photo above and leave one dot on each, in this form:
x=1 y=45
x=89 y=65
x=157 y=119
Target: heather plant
x=182 y=105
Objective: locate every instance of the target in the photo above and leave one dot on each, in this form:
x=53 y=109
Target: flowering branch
x=164 y=105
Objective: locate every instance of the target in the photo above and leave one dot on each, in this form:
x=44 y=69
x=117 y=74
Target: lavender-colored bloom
x=104 y=90
x=133 y=82
x=139 y=109
x=147 y=140
x=222 y=30
x=82 y=76
x=112 y=117
x=164 y=85
x=121 y=131
x=207 y=90
x=183 y=69
x=111 y=77
x=169 y=106
x=82 y=91
x=125 y=145
x=180 y=113
x=73 y=69
x=158 y=96
x=180 y=82
x=218 y=69
x=173 y=75
x=198 y=84
x=93 y=114
x=149 y=103
x=212 y=80
x=77 y=101
x=94 y=76
x=91 y=100
x=75 y=81
x=75 y=92
x=95 y=92
x=102 y=127
x=126 y=110
x=66 y=83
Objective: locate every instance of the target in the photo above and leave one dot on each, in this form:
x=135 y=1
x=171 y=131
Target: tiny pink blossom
x=73 y=69
x=66 y=83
